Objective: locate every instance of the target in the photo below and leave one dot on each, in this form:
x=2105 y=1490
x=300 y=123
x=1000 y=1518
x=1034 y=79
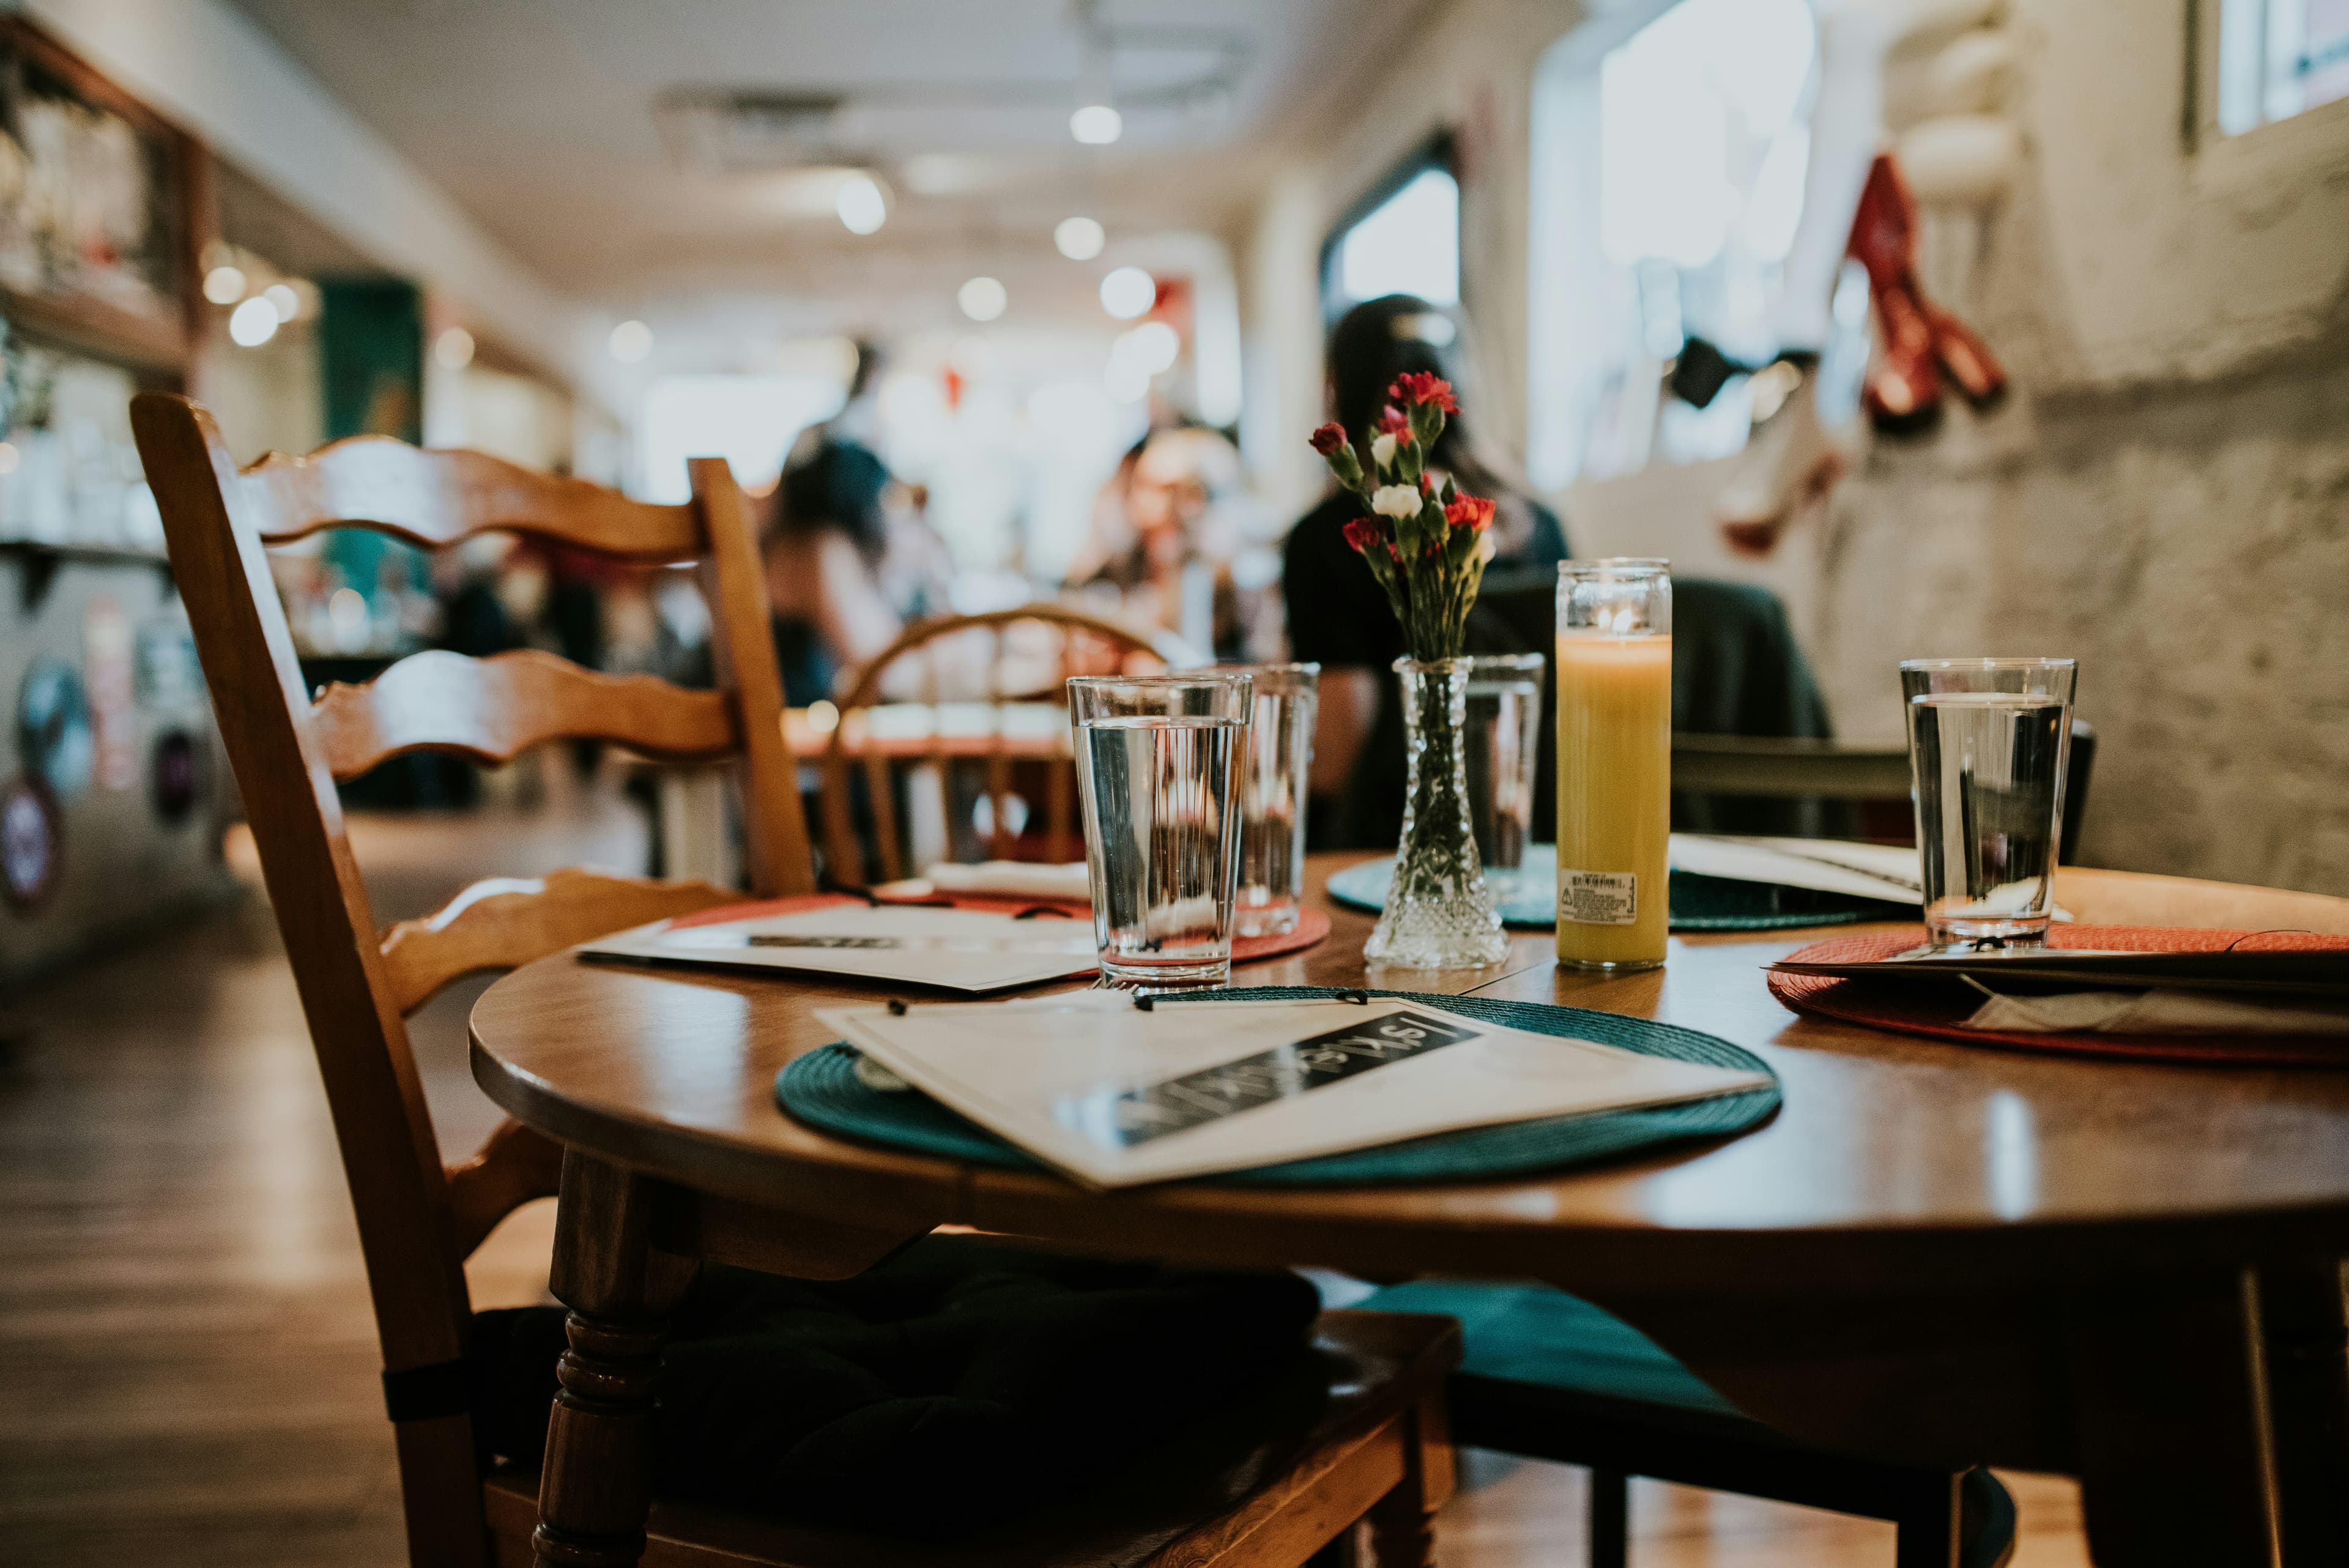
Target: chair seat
x=1535 y=1334
x=1309 y=1457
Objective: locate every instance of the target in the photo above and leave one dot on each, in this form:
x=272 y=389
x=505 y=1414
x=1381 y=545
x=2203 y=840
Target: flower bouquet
x=1424 y=541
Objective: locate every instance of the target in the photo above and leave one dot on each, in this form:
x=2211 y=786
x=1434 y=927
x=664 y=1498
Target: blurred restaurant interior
x=851 y=376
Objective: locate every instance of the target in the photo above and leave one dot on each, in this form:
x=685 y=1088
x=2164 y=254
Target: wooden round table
x=1943 y=1253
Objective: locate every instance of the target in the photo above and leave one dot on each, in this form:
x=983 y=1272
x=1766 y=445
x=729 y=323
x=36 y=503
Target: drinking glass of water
x=1504 y=745
x=1987 y=744
x=1160 y=761
x=1273 y=783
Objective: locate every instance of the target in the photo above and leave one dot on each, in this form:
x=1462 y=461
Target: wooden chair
x=1007 y=681
x=1377 y=1448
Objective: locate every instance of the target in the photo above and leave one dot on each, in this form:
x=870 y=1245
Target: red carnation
x=1394 y=422
x=1362 y=532
x=1328 y=439
x=1474 y=511
x=1417 y=387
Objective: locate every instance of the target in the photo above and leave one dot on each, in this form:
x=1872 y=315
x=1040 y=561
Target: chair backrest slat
x=504 y=922
x=493 y=710
x=440 y=498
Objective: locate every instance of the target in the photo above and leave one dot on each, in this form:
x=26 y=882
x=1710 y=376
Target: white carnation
x=1396 y=501
x=1383 y=449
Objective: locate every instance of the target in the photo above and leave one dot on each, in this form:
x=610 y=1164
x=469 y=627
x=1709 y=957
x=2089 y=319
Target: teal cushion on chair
x=1533 y=1333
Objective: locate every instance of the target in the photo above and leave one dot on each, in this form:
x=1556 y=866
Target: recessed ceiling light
x=631 y=341
x=283 y=300
x=1128 y=292
x=454 y=349
x=982 y=299
x=861 y=207
x=224 y=285
x=1080 y=239
x=1096 y=125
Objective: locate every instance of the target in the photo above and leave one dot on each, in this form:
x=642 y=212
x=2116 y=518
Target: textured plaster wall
x=2166 y=497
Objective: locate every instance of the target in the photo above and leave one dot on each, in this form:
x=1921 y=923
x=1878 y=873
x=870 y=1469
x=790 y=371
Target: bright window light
x=1128 y=292
x=749 y=420
x=983 y=298
x=861 y=207
x=1410 y=243
x=1079 y=239
x=2278 y=59
x=254 y=323
x=1096 y=125
x=631 y=341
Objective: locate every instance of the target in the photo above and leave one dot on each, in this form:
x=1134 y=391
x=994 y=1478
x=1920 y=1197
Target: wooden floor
x=187 y=1362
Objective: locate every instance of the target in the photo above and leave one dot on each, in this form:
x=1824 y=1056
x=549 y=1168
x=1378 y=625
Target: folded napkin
x=1003 y=878
x=2159 y=1013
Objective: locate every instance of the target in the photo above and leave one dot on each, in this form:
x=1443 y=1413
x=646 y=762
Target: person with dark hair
x=823 y=554
x=1337 y=615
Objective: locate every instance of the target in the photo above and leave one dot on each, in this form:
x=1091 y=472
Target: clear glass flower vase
x=1438 y=913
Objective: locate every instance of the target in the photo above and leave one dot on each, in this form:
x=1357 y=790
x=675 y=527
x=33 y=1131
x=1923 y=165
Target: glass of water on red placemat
x=1160 y=761
x=1987 y=744
x=1273 y=783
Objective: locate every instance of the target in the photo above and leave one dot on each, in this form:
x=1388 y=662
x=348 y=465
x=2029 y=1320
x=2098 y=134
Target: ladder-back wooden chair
x=1003 y=668
x=1378 y=1451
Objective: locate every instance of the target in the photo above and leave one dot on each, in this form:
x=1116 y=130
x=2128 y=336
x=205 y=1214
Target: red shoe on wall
x=1903 y=394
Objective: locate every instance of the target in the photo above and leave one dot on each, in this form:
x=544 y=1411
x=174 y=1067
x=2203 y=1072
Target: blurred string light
x=254 y=323
x=631 y=341
x=1080 y=239
x=283 y=300
x=861 y=207
x=1128 y=292
x=224 y=285
x=1096 y=125
x=982 y=299
x=453 y=349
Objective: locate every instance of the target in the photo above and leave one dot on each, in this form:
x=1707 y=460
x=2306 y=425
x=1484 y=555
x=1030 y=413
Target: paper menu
x=1886 y=871
x=1115 y=1096
x=962 y=950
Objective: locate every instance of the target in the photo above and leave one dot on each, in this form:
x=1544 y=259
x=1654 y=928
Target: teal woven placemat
x=1699 y=903
x=821 y=1089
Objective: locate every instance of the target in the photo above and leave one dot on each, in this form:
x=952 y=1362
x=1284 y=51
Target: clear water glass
x=1160 y=762
x=1988 y=741
x=1272 y=796
x=1504 y=746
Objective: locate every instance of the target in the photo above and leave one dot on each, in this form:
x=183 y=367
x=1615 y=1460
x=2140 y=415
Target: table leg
x=2302 y=1323
x=2176 y=1463
x=594 y=1488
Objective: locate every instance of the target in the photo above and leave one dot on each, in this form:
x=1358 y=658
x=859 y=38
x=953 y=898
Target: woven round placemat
x=1699 y=903
x=822 y=1089
x=1939 y=1012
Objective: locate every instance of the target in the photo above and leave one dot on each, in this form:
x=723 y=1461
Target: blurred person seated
x=1338 y=614
x=823 y=555
x=1163 y=537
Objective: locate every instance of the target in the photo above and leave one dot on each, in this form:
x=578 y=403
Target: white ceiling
x=539 y=117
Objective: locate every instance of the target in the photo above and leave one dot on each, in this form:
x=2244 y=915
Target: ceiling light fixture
x=1080 y=239
x=631 y=341
x=983 y=298
x=1096 y=125
x=283 y=300
x=453 y=349
x=862 y=206
x=1128 y=292
x=224 y=285
x=254 y=323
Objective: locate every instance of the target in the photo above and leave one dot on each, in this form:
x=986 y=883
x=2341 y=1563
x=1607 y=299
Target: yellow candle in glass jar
x=1614 y=797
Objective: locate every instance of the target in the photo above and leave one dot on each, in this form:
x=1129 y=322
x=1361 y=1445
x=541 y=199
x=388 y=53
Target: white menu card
x=962 y=950
x=1113 y=1096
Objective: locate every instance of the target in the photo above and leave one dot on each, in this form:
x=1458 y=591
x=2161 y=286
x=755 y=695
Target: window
x=749 y=420
x=2279 y=57
x=1403 y=238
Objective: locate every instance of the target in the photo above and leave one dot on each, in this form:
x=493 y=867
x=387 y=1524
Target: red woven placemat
x=1938 y=1010
x=1312 y=925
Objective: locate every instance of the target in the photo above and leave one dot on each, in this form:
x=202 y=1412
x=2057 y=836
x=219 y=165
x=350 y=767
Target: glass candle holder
x=1614 y=762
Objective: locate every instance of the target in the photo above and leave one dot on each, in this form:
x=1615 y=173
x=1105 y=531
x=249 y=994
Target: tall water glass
x=1159 y=765
x=1272 y=796
x=1988 y=739
x=1504 y=746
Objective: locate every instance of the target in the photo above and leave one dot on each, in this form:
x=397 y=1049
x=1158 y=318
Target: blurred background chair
x=947 y=740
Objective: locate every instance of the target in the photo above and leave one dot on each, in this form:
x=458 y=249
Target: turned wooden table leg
x=1402 y=1523
x=596 y=1487
x=2306 y=1335
x=2175 y=1459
